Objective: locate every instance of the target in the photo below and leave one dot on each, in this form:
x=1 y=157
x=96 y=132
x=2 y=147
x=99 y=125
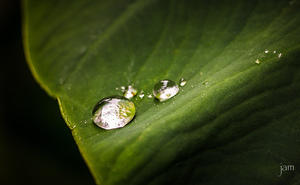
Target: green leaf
x=235 y=122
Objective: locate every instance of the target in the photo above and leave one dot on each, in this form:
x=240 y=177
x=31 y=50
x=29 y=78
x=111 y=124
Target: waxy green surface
x=234 y=122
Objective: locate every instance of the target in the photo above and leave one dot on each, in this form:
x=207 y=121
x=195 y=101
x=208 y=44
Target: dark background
x=36 y=147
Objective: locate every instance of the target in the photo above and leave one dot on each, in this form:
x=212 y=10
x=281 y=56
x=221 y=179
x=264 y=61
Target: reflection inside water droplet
x=113 y=112
x=165 y=89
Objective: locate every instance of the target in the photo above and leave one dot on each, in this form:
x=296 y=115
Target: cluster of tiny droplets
x=279 y=55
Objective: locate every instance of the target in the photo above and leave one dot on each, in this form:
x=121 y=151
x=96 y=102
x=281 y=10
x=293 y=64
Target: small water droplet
x=274 y=51
x=165 y=89
x=141 y=95
x=266 y=51
x=130 y=92
x=257 y=61
x=113 y=112
x=123 y=88
x=182 y=82
x=117 y=88
x=279 y=55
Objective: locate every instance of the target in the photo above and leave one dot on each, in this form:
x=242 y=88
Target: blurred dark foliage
x=36 y=147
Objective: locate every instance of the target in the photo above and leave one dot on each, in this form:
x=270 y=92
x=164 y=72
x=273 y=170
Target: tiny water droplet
x=117 y=88
x=82 y=49
x=182 y=82
x=274 y=51
x=279 y=55
x=113 y=112
x=165 y=89
x=266 y=51
x=205 y=83
x=130 y=92
x=257 y=61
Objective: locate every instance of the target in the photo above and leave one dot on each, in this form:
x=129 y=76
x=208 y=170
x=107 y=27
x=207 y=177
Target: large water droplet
x=113 y=112
x=165 y=89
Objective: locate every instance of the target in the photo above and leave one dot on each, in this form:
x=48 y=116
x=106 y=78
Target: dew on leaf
x=165 y=89
x=130 y=92
x=113 y=112
x=182 y=82
x=205 y=83
x=122 y=88
x=141 y=95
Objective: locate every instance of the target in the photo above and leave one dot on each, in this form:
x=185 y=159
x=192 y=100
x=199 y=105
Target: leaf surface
x=235 y=122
